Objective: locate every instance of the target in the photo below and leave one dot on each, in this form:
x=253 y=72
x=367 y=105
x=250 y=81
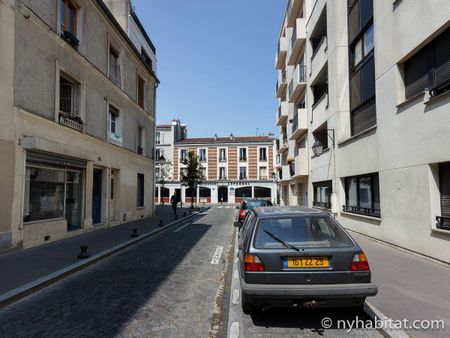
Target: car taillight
x=253 y=263
x=242 y=213
x=359 y=262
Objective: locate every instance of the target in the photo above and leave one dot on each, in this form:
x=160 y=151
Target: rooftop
x=228 y=139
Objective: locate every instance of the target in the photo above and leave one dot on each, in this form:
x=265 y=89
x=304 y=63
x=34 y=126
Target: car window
x=246 y=234
x=309 y=231
x=257 y=203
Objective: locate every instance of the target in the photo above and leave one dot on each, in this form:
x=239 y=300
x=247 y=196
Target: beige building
x=233 y=167
x=377 y=103
x=77 y=101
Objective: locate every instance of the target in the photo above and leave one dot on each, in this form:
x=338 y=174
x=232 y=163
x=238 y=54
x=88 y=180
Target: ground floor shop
x=217 y=192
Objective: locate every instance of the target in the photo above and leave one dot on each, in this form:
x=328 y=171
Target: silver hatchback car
x=300 y=257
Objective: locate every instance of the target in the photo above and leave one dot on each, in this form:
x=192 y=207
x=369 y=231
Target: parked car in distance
x=250 y=203
x=300 y=257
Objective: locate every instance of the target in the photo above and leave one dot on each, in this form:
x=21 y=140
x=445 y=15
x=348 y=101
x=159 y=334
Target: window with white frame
x=157 y=173
x=222 y=155
x=263 y=154
x=242 y=173
x=263 y=173
x=158 y=137
x=114 y=125
x=69 y=91
x=183 y=155
x=202 y=155
x=222 y=173
x=159 y=153
x=242 y=154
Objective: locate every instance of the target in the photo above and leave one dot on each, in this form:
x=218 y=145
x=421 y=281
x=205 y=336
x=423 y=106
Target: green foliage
x=191 y=175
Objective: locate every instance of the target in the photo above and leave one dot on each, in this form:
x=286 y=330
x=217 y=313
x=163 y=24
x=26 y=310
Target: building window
x=321 y=135
x=140 y=191
x=363 y=195
x=222 y=155
x=141 y=140
x=115 y=126
x=429 y=68
x=242 y=173
x=158 y=137
x=202 y=156
x=114 y=66
x=443 y=221
x=69 y=21
x=263 y=154
x=243 y=154
x=203 y=171
x=69 y=100
x=157 y=173
x=263 y=173
x=222 y=173
x=183 y=155
x=141 y=92
x=322 y=194
x=159 y=153
x=362 y=65
x=146 y=58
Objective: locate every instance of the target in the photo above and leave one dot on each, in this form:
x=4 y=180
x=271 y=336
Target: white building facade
x=377 y=104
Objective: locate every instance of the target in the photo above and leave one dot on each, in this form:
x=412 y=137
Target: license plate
x=305 y=262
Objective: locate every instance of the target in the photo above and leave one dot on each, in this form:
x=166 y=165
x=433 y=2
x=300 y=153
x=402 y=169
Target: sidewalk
x=409 y=286
x=22 y=267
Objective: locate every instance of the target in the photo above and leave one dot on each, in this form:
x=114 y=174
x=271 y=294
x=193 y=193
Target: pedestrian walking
x=174 y=202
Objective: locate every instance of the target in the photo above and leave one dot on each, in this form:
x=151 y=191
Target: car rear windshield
x=254 y=204
x=310 y=232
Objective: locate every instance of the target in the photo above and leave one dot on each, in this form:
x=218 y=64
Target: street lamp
x=317 y=146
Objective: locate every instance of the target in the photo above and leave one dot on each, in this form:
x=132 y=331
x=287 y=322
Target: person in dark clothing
x=174 y=202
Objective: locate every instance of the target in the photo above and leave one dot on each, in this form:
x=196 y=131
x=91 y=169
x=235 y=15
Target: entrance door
x=97 y=196
x=74 y=199
x=223 y=194
x=112 y=196
x=178 y=194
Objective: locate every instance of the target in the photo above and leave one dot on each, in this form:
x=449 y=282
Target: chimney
x=121 y=10
x=231 y=137
x=216 y=137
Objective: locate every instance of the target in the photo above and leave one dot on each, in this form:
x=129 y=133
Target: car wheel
x=247 y=307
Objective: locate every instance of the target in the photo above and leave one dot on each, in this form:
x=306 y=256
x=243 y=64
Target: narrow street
x=170 y=285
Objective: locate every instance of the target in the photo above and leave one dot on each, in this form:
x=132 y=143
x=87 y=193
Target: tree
x=165 y=174
x=192 y=175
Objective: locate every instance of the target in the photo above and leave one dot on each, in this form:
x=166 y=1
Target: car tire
x=247 y=307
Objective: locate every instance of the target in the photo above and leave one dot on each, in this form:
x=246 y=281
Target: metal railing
x=73 y=122
x=326 y=205
x=362 y=211
x=443 y=223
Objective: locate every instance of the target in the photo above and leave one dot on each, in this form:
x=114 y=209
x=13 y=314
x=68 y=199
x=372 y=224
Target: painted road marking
x=235 y=296
x=217 y=254
x=236 y=274
x=234 y=330
x=182 y=227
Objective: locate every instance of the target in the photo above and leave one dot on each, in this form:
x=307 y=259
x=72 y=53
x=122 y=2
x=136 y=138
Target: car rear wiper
x=287 y=245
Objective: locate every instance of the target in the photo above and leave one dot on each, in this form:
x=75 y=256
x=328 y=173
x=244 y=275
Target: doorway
x=74 y=198
x=97 y=196
x=178 y=194
x=112 y=196
x=223 y=194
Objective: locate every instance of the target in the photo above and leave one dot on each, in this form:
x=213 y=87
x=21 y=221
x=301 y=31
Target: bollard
x=134 y=233
x=184 y=214
x=176 y=216
x=190 y=211
x=161 y=223
x=83 y=253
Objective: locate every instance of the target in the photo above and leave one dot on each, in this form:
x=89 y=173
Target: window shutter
x=444 y=182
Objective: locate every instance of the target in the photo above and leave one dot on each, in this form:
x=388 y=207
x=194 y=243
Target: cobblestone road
x=166 y=286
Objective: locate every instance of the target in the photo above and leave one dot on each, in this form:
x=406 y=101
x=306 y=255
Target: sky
x=215 y=61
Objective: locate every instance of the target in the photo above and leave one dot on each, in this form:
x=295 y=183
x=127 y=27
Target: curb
x=373 y=313
x=40 y=283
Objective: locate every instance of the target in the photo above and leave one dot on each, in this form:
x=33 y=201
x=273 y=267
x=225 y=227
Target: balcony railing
x=301 y=73
x=362 y=211
x=243 y=159
x=443 y=223
x=295 y=122
x=293 y=36
x=326 y=205
x=74 y=122
x=243 y=177
x=222 y=159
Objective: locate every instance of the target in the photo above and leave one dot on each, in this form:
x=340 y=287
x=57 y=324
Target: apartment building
x=77 y=101
x=233 y=167
x=377 y=102
x=292 y=145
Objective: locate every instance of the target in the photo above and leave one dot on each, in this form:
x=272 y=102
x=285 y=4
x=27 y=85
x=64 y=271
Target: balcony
x=301 y=163
x=298 y=83
x=74 y=122
x=299 y=124
x=280 y=58
x=295 y=9
x=319 y=111
x=116 y=140
x=283 y=113
x=284 y=144
x=319 y=59
x=281 y=84
x=285 y=173
x=297 y=42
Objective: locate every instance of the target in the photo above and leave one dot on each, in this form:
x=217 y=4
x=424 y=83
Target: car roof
x=256 y=199
x=288 y=211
